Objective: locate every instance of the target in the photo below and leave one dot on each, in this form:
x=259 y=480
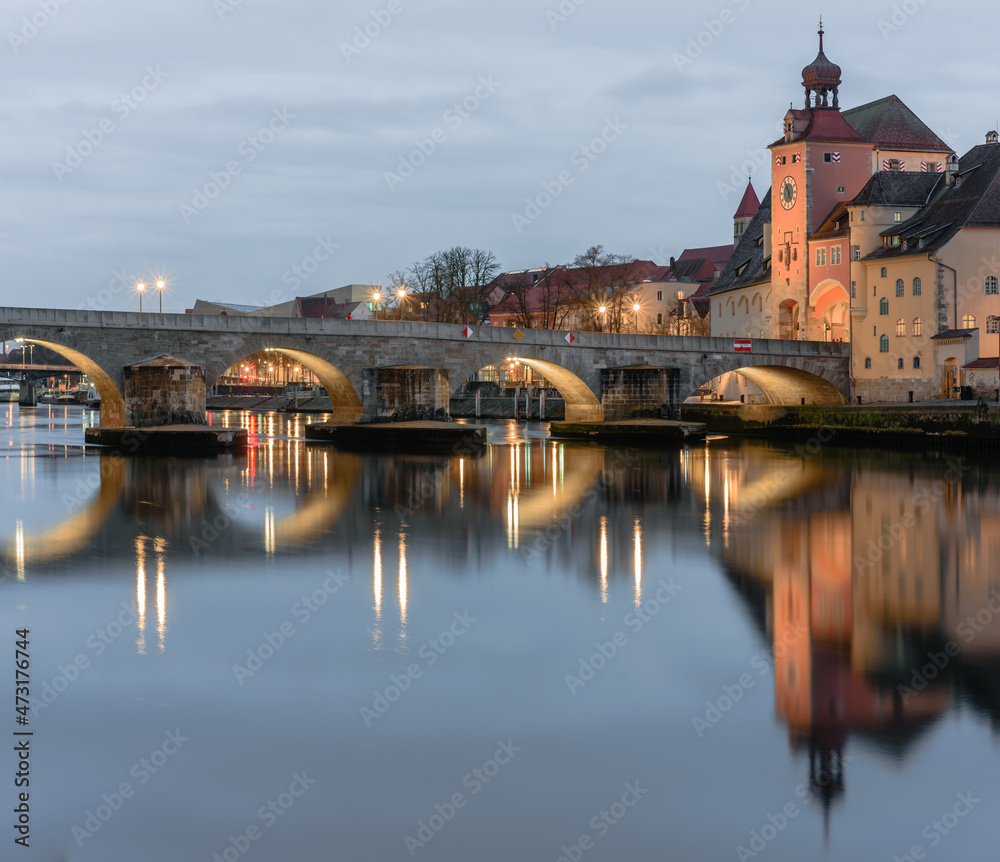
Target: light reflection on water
x=830 y=581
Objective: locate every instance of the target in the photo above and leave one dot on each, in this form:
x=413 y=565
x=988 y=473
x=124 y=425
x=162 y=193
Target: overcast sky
x=116 y=115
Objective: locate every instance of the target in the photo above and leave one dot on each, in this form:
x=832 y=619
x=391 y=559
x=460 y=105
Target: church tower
x=744 y=213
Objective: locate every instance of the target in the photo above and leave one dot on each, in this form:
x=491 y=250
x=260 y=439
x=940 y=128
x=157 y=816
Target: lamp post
x=635 y=308
x=376 y=299
x=401 y=293
x=141 y=286
x=160 y=284
x=603 y=309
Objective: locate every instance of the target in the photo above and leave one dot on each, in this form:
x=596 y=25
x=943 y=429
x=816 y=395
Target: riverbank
x=916 y=426
x=642 y=432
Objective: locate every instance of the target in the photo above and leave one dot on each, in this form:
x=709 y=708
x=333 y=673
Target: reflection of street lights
x=635 y=308
x=160 y=284
x=603 y=310
x=141 y=286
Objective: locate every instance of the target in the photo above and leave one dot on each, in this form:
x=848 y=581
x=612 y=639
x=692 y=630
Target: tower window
x=901 y=327
x=659 y=296
x=856 y=249
x=918 y=326
x=993 y=323
x=991 y=284
x=883 y=306
x=828 y=157
x=916 y=287
x=854 y=290
x=897 y=216
x=883 y=344
x=885 y=272
x=900 y=287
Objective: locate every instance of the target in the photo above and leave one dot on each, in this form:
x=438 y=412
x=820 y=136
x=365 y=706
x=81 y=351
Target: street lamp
x=376 y=299
x=160 y=284
x=603 y=310
x=635 y=308
x=141 y=286
x=401 y=293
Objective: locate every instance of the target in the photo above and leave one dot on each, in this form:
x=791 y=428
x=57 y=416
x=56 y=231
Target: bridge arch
x=780 y=384
x=343 y=393
x=582 y=404
x=112 y=402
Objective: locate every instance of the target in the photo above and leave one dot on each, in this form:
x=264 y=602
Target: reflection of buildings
x=855 y=589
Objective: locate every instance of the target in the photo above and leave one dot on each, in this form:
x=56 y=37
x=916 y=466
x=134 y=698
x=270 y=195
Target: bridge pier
x=638 y=388
x=164 y=391
x=392 y=389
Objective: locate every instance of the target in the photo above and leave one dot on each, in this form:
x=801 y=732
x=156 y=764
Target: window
x=899 y=362
x=659 y=318
x=868 y=362
x=883 y=306
x=969 y=321
x=783 y=159
x=854 y=290
x=931 y=168
x=991 y=284
x=835 y=255
x=883 y=344
x=897 y=216
x=659 y=296
x=918 y=326
x=796 y=158
x=900 y=287
x=916 y=287
x=821 y=257
x=862 y=215
x=993 y=324
x=856 y=250
x=894 y=165
x=901 y=327
x=885 y=272
x=840 y=189
x=916 y=361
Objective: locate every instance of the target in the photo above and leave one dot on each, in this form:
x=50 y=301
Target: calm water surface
x=551 y=651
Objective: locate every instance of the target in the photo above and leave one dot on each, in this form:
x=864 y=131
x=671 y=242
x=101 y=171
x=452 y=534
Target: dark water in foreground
x=552 y=651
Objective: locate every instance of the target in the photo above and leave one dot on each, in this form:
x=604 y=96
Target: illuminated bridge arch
x=582 y=403
x=795 y=383
x=341 y=385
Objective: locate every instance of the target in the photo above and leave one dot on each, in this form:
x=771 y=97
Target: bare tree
x=451 y=286
x=601 y=280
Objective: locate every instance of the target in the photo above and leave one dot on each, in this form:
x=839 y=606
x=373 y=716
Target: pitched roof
x=748 y=264
x=952 y=333
x=718 y=254
x=898 y=188
x=320 y=306
x=748 y=204
x=890 y=125
x=972 y=201
x=834 y=225
x=987 y=362
x=826 y=125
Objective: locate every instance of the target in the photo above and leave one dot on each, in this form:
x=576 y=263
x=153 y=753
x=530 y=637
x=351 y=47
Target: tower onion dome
x=821 y=77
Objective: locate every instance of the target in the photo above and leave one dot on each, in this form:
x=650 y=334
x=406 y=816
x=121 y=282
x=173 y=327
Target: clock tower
x=816 y=165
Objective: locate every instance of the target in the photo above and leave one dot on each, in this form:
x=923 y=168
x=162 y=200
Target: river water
x=553 y=651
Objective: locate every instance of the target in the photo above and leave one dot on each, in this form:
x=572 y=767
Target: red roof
x=988 y=362
x=829 y=126
x=718 y=254
x=749 y=204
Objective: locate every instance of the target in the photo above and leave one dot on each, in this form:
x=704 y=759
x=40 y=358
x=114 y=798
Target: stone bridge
x=361 y=363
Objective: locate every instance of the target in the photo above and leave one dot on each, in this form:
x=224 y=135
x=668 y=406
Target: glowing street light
x=635 y=308
x=603 y=309
x=401 y=293
x=376 y=299
x=160 y=284
x=141 y=286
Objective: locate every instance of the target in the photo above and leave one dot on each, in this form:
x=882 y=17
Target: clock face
x=788 y=193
